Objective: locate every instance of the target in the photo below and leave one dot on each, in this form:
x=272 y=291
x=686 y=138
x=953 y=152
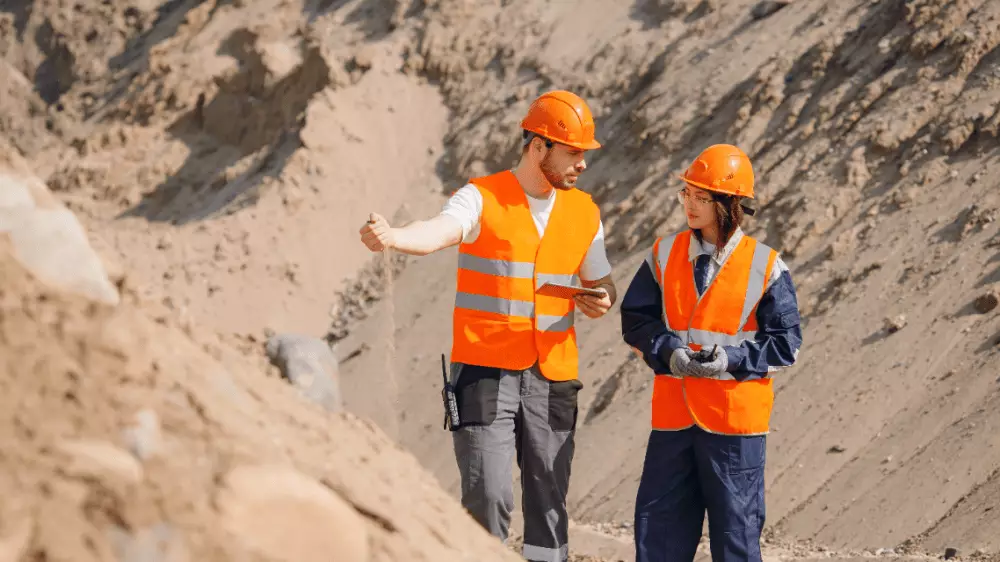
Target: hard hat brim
x=592 y=145
x=712 y=189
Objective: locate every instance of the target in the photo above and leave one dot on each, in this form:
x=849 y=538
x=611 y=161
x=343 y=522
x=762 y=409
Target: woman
x=713 y=312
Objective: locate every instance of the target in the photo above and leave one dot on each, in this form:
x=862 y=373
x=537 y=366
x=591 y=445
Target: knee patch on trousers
x=563 y=406
x=477 y=390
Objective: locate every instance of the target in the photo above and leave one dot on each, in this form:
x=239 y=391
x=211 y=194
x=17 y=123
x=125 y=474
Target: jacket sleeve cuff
x=664 y=348
x=734 y=357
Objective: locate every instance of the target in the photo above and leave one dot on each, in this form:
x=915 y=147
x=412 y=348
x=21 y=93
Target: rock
x=143 y=437
x=906 y=197
x=987 y=302
x=280 y=514
x=950 y=553
x=858 y=173
x=159 y=543
x=309 y=364
x=279 y=60
x=767 y=8
x=49 y=241
x=836 y=449
x=365 y=57
x=895 y=324
x=100 y=460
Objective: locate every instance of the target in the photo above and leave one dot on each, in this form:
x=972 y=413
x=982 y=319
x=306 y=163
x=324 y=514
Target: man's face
x=562 y=165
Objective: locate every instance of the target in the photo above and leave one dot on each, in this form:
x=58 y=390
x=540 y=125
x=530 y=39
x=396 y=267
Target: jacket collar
x=695 y=248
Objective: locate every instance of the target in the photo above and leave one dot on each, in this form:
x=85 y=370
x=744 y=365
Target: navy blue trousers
x=689 y=472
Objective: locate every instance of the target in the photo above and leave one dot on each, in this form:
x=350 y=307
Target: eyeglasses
x=683 y=196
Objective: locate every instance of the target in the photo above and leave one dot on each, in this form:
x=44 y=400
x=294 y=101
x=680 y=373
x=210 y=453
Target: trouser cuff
x=542 y=554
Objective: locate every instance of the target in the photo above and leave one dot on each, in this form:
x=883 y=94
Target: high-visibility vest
x=499 y=320
x=724 y=315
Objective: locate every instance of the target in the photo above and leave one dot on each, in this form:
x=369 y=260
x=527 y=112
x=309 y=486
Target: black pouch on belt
x=477 y=391
x=451 y=419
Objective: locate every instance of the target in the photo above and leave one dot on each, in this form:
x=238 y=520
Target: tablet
x=567 y=291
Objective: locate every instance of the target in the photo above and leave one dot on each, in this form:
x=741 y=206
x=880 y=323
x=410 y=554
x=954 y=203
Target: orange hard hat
x=722 y=168
x=562 y=117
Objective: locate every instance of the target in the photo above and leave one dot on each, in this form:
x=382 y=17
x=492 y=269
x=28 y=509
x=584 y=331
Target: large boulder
x=46 y=237
x=309 y=364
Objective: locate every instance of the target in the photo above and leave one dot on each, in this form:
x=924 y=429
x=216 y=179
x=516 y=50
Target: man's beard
x=556 y=179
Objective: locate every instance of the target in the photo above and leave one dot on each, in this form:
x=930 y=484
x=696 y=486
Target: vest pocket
x=477 y=390
x=563 y=404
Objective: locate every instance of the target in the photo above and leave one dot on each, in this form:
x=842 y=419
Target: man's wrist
x=393 y=241
x=609 y=289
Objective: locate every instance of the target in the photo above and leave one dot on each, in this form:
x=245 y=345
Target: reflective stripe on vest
x=723 y=315
x=499 y=320
x=508 y=307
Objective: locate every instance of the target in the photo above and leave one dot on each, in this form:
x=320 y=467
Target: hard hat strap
x=528 y=135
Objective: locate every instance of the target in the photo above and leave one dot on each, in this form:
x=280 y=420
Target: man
x=714 y=290
x=514 y=353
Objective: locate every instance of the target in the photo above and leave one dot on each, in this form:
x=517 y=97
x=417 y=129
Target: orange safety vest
x=724 y=315
x=499 y=320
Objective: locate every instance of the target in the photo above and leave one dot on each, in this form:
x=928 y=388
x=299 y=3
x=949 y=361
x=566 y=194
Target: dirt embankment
x=130 y=434
x=223 y=150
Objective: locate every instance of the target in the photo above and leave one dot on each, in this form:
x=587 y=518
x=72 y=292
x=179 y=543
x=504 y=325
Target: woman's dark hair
x=728 y=217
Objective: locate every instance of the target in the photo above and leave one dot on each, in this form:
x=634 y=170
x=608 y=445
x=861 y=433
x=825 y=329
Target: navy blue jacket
x=776 y=345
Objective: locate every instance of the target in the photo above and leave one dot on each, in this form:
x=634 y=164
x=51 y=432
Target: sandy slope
x=216 y=108
x=224 y=154
x=129 y=434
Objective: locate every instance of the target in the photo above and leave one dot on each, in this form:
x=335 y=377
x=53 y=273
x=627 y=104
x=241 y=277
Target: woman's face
x=698 y=206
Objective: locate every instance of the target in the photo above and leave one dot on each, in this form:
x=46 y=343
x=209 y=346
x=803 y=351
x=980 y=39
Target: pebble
x=895 y=324
x=365 y=58
x=143 y=437
x=101 y=460
x=281 y=514
x=159 y=543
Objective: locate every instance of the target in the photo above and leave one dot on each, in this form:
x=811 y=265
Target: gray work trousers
x=516 y=413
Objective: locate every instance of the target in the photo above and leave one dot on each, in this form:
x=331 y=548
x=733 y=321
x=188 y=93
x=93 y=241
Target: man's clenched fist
x=376 y=233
